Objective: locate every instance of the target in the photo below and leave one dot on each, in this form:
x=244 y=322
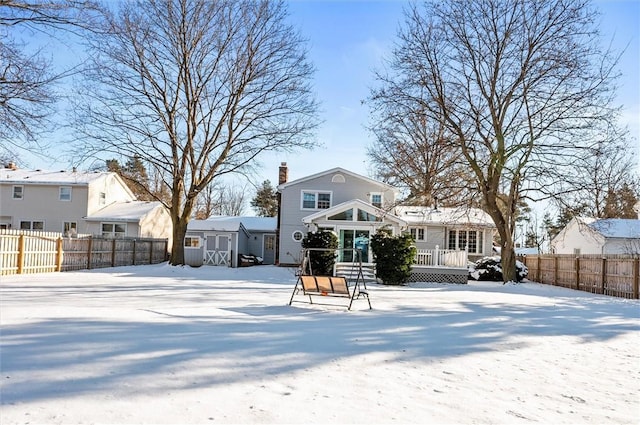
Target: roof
x=333 y=171
x=234 y=224
x=417 y=215
x=20 y=176
x=124 y=211
x=354 y=203
x=616 y=227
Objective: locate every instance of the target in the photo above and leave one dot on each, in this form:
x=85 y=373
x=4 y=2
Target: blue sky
x=349 y=39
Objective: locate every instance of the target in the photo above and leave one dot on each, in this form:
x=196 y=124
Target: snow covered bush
x=490 y=268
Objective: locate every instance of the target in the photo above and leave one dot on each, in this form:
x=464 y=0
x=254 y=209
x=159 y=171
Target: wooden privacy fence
x=41 y=252
x=615 y=275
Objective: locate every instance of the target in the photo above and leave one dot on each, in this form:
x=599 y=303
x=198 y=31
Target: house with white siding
x=77 y=202
x=586 y=235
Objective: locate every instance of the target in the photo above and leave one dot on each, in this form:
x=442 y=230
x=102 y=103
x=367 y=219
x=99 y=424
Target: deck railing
x=441 y=258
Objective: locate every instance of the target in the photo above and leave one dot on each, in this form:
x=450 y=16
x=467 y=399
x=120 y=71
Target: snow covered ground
x=181 y=345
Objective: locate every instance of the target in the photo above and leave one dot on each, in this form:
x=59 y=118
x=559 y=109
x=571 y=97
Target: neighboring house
x=74 y=202
x=355 y=207
x=598 y=236
x=220 y=240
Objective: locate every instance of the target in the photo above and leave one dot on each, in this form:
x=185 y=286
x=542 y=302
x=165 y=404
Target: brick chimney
x=283 y=173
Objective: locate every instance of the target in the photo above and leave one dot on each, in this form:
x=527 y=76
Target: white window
x=316 y=200
x=18 y=192
x=102 y=198
x=114 y=230
x=297 y=236
x=417 y=233
x=69 y=228
x=192 y=242
x=31 y=225
x=65 y=193
x=376 y=199
x=471 y=240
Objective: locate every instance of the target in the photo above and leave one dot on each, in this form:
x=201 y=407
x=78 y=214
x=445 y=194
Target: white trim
x=60 y=189
x=13 y=192
x=190 y=246
x=315 y=192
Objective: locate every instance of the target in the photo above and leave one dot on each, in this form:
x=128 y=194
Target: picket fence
x=615 y=275
x=41 y=252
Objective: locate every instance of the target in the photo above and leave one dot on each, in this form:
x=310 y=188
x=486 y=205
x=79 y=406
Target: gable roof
x=20 y=176
x=234 y=224
x=616 y=228
x=354 y=203
x=420 y=215
x=63 y=177
x=124 y=211
x=333 y=171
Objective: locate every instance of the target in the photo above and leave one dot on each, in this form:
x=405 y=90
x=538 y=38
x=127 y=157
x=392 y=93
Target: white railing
x=441 y=258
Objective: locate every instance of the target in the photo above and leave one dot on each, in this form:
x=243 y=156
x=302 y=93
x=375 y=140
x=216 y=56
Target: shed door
x=218 y=252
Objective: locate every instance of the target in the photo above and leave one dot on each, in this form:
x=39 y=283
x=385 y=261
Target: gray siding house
x=355 y=207
x=337 y=199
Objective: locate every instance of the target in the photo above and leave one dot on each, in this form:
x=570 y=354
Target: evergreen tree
x=266 y=200
x=619 y=204
x=394 y=256
x=321 y=262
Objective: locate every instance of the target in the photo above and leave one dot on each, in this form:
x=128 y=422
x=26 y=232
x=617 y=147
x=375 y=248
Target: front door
x=354 y=238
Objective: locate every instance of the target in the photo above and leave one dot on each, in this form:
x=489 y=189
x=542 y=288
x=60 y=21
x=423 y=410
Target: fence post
x=166 y=250
x=133 y=260
x=89 y=249
x=20 y=254
x=604 y=274
x=555 y=270
x=113 y=252
x=538 y=271
x=59 y=254
x=636 y=278
x=437 y=255
x=150 y=252
x=578 y=273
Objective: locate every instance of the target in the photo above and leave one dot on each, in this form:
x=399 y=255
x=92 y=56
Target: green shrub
x=321 y=262
x=394 y=256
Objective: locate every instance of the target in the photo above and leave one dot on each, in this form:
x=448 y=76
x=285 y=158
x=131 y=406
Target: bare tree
x=597 y=178
x=412 y=152
x=27 y=80
x=521 y=86
x=218 y=199
x=198 y=89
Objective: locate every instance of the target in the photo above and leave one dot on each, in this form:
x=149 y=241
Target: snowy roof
x=124 y=211
x=414 y=215
x=20 y=176
x=233 y=224
x=616 y=227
